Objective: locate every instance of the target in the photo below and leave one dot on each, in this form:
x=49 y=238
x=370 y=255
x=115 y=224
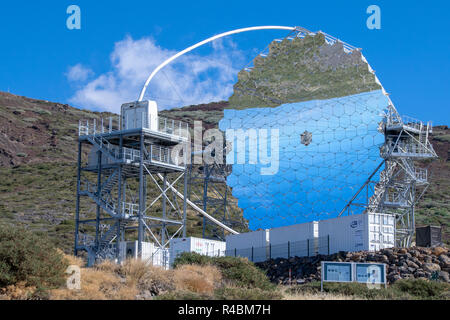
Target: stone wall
x=429 y=263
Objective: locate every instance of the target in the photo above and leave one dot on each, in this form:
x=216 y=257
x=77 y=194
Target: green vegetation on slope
x=302 y=70
x=29 y=260
x=434 y=207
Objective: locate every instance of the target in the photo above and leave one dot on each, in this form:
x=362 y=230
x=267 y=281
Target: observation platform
x=122 y=147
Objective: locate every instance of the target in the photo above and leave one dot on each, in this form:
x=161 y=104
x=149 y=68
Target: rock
x=411 y=270
x=444 y=259
x=401 y=263
x=411 y=264
x=416 y=261
x=393 y=278
x=419 y=274
x=145 y=295
x=439 y=250
x=414 y=253
x=444 y=276
x=431 y=267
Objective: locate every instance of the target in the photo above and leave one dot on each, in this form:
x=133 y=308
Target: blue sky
x=410 y=53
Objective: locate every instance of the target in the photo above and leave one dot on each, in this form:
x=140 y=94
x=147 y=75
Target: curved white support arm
x=179 y=54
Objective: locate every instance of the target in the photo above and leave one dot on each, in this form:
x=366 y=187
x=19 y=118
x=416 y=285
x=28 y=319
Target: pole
x=321 y=277
x=141 y=196
x=119 y=196
x=77 y=209
x=328 y=244
x=307 y=244
x=164 y=208
x=185 y=203
x=99 y=191
x=205 y=197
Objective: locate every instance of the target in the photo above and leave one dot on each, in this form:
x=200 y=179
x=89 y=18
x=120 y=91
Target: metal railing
x=98 y=126
x=394 y=198
x=112 y=124
x=130 y=154
x=421 y=174
x=174 y=127
x=130 y=209
x=402 y=148
x=164 y=155
x=157 y=153
x=305 y=248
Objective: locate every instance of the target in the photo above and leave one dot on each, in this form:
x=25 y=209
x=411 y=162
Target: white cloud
x=78 y=73
x=192 y=79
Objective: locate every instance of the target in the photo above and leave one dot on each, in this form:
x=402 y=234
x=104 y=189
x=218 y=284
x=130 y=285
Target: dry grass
x=16 y=292
x=136 y=271
x=109 y=281
x=72 y=260
x=316 y=296
x=100 y=283
x=289 y=295
x=198 y=279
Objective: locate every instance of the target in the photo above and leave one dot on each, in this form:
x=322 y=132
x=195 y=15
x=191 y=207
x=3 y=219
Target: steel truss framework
x=129 y=164
x=208 y=189
x=402 y=182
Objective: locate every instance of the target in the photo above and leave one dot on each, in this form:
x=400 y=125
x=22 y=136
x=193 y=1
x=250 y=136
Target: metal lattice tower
x=129 y=179
x=208 y=189
x=402 y=183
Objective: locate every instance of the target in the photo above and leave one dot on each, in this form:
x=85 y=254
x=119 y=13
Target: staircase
x=107 y=148
x=105 y=251
x=380 y=187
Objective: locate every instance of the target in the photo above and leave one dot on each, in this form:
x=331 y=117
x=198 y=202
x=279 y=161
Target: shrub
x=30 y=260
x=196 y=278
x=405 y=289
x=191 y=258
x=232 y=293
x=182 y=295
x=146 y=277
x=422 y=288
x=239 y=271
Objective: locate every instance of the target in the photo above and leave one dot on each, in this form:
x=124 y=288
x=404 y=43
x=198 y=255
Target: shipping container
x=150 y=253
x=252 y=245
x=160 y=257
x=363 y=232
x=141 y=114
x=297 y=232
x=207 y=247
x=296 y=240
x=429 y=236
x=129 y=250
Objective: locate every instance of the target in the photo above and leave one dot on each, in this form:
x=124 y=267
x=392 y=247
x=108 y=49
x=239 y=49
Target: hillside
x=38 y=170
x=38 y=165
x=302 y=70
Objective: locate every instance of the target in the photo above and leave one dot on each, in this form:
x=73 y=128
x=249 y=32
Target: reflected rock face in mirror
x=327 y=149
